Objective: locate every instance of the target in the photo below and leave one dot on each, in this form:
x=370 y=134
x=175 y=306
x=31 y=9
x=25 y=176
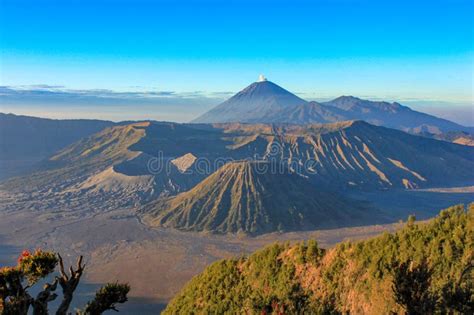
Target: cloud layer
x=57 y=101
x=60 y=102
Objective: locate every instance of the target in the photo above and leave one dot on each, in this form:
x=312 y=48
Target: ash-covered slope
x=87 y=156
x=355 y=154
x=254 y=197
x=104 y=171
x=129 y=165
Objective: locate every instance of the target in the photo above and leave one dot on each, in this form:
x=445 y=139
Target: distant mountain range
x=266 y=102
x=25 y=141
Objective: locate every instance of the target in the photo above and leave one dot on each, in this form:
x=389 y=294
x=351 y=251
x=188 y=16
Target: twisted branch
x=40 y=304
x=68 y=283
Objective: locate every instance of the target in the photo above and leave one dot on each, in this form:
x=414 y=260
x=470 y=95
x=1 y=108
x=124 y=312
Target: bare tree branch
x=68 y=283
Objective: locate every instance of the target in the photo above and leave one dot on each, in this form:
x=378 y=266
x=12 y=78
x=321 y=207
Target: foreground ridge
x=368 y=277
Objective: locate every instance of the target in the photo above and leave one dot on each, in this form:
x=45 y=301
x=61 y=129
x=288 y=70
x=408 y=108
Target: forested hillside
x=421 y=269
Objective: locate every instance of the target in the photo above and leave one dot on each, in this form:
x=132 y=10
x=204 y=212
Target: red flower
x=24 y=254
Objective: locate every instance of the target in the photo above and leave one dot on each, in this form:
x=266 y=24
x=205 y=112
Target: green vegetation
x=424 y=268
x=32 y=267
x=106 y=298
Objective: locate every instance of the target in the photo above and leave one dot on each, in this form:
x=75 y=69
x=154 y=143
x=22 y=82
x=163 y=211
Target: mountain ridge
x=26 y=140
x=353 y=277
x=393 y=115
x=133 y=164
x=266 y=102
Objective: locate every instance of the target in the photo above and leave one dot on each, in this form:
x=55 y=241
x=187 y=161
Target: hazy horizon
x=58 y=102
x=175 y=60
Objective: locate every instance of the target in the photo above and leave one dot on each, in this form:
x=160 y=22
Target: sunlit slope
x=100 y=172
x=353 y=277
x=89 y=155
x=140 y=162
x=356 y=154
x=254 y=197
x=120 y=166
x=351 y=154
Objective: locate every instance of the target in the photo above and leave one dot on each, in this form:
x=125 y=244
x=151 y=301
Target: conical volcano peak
x=264 y=89
x=255 y=103
x=245 y=196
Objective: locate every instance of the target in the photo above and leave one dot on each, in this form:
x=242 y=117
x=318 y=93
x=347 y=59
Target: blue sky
x=417 y=52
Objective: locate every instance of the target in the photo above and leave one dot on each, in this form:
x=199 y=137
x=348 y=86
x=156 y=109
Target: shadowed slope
x=308 y=113
x=25 y=141
x=392 y=115
x=254 y=197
